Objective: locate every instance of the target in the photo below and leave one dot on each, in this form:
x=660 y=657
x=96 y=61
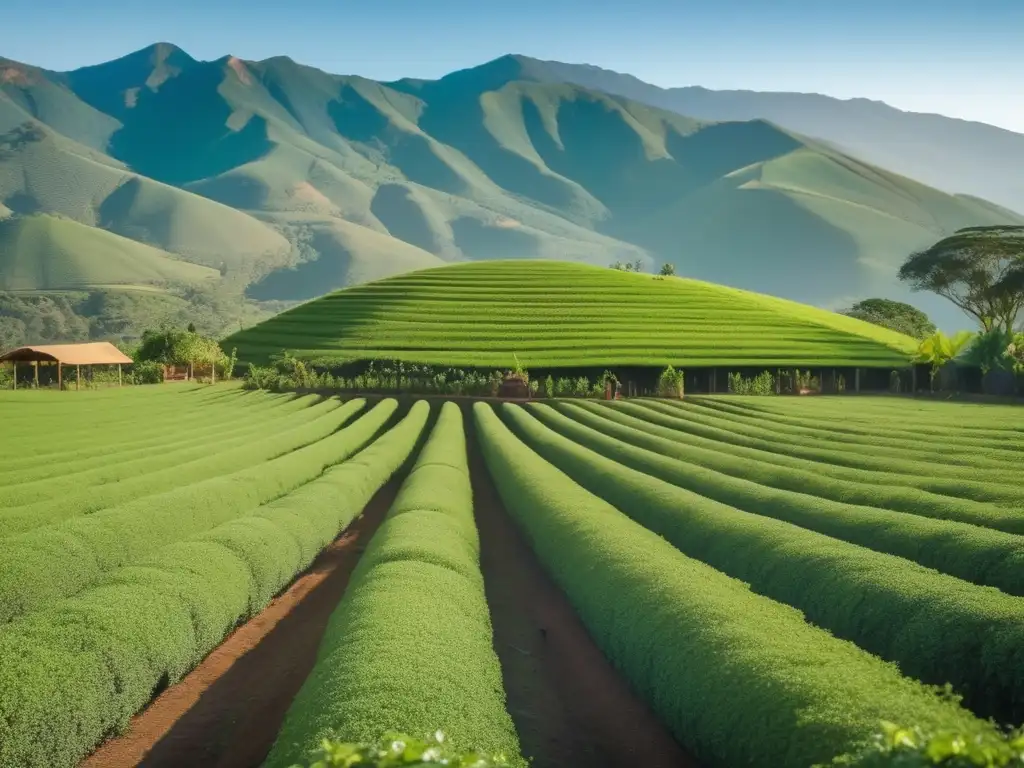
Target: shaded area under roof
x=94 y=353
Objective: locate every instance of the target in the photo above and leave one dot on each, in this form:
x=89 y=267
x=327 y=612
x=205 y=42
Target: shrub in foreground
x=396 y=750
x=899 y=747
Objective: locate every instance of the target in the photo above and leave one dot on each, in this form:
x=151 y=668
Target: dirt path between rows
x=570 y=706
x=227 y=712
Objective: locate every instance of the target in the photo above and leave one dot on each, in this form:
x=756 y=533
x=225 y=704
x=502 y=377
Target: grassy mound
x=559 y=314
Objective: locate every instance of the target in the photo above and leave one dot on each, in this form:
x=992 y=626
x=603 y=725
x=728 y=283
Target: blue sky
x=962 y=59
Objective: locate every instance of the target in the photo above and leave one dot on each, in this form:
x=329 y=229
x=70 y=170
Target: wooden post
x=15 y=362
x=856 y=380
x=213 y=373
x=60 y=377
x=36 y=374
x=119 y=374
x=78 y=377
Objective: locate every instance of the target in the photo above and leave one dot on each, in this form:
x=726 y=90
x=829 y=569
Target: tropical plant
x=914 y=748
x=939 y=349
x=993 y=350
x=397 y=750
x=670 y=383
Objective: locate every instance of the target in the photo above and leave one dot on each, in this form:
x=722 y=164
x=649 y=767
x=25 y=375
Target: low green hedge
x=739 y=679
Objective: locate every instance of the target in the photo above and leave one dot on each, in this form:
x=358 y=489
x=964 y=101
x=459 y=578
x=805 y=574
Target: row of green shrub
x=837 y=429
x=198 y=425
x=923 y=490
x=409 y=648
x=852 y=487
x=997 y=468
x=737 y=677
x=54 y=561
x=75 y=671
x=977 y=554
x=301 y=429
x=221 y=445
x=946 y=626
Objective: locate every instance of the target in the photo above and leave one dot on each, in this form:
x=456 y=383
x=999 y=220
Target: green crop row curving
x=738 y=678
x=75 y=671
x=409 y=648
x=58 y=560
x=232 y=434
x=981 y=555
x=822 y=480
x=950 y=631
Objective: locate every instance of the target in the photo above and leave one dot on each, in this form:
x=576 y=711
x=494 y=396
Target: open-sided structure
x=60 y=355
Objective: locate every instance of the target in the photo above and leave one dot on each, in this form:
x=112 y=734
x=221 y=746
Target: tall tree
x=894 y=315
x=980 y=269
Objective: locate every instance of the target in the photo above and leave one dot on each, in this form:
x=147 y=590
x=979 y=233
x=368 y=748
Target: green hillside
x=45 y=253
x=559 y=314
x=293 y=182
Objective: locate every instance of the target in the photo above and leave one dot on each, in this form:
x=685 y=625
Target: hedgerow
x=76 y=670
x=410 y=645
x=974 y=553
x=806 y=477
x=302 y=429
x=395 y=750
x=737 y=677
x=58 y=560
x=234 y=435
x=950 y=631
x=826 y=452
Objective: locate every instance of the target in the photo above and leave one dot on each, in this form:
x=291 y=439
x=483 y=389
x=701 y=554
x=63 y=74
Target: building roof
x=94 y=353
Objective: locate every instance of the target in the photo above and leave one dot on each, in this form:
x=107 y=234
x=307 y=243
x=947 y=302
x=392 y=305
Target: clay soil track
x=227 y=712
x=570 y=706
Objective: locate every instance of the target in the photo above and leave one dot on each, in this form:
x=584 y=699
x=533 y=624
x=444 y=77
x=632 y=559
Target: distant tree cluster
x=894 y=315
x=629 y=266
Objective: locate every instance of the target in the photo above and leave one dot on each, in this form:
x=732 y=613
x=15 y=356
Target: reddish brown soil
x=227 y=712
x=570 y=706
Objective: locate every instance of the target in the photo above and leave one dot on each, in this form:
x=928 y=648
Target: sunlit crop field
x=772 y=577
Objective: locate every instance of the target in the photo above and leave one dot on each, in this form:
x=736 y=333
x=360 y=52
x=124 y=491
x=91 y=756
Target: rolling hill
x=558 y=315
x=291 y=182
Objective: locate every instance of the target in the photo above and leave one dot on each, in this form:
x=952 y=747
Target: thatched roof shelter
x=93 y=353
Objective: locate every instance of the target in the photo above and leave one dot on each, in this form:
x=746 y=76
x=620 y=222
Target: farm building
x=55 y=357
x=564 y=318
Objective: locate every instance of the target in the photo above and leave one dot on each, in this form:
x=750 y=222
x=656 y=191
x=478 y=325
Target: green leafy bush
x=396 y=750
x=410 y=645
x=899 y=747
x=688 y=638
x=762 y=384
x=670 y=383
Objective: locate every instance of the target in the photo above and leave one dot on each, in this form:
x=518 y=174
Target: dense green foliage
x=87 y=546
x=143 y=625
x=738 y=678
x=897 y=747
x=946 y=624
x=396 y=750
x=561 y=315
x=410 y=644
x=894 y=315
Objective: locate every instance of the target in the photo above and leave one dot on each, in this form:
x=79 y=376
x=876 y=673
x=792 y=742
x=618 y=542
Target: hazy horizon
x=918 y=57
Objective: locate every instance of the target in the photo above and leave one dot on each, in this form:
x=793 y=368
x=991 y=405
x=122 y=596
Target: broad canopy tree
x=894 y=315
x=174 y=347
x=979 y=269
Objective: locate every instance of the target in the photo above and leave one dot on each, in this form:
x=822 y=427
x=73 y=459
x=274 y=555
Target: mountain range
x=158 y=188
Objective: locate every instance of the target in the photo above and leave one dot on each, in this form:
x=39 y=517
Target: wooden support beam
x=78 y=377
x=36 y=374
x=60 y=377
x=15 y=362
x=856 y=380
x=119 y=374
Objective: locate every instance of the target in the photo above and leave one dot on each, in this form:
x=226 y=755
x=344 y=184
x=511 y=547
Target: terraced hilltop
x=560 y=314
